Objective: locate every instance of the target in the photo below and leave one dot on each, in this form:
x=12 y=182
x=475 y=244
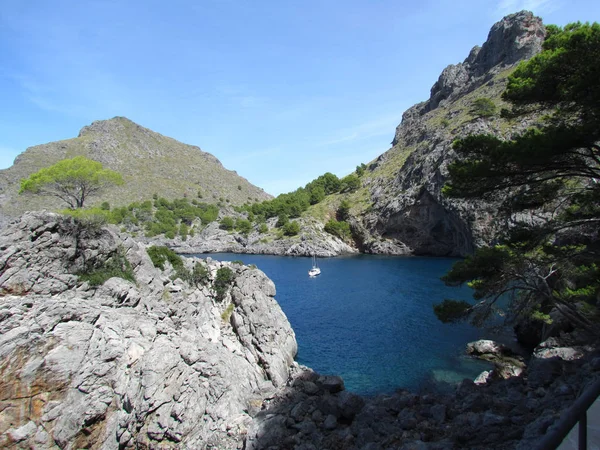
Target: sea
x=369 y=319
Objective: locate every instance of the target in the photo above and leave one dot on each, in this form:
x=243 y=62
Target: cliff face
x=153 y=363
x=409 y=214
x=149 y=162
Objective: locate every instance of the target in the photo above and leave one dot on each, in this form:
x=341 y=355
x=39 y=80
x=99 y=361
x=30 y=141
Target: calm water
x=370 y=319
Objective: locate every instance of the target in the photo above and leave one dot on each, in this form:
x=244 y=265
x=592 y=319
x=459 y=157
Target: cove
x=369 y=319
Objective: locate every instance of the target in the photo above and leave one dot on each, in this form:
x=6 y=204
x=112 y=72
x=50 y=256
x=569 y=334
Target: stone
x=330 y=422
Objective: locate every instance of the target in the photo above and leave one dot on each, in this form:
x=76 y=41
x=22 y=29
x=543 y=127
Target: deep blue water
x=370 y=319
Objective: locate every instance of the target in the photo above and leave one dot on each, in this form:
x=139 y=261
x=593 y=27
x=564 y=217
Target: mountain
x=400 y=208
x=149 y=162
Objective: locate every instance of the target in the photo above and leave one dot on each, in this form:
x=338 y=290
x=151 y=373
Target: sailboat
x=315 y=269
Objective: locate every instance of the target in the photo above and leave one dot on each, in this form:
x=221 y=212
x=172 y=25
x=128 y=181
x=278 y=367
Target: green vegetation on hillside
x=71 y=180
x=293 y=204
x=550 y=171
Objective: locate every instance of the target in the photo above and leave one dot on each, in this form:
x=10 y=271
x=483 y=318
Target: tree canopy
x=71 y=180
x=546 y=181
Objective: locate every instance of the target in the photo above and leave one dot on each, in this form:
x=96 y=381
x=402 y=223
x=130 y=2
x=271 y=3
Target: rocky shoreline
x=162 y=362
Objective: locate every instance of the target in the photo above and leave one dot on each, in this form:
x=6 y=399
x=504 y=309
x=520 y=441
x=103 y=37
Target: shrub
x=282 y=220
x=243 y=226
x=483 y=107
x=291 y=229
x=183 y=231
x=225 y=315
x=115 y=266
x=226 y=223
x=160 y=254
x=200 y=275
x=105 y=206
x=343 y=211
x=263 y=228
x=340 y=229
x=222 y=282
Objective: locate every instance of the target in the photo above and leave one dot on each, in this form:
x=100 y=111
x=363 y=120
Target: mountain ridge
x=149 y=162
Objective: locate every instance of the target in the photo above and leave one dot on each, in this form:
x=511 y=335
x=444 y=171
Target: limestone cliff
x=154 y=363
x=407 y=212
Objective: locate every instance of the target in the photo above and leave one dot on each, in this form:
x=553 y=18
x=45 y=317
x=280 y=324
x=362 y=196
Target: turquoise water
x=369 y=319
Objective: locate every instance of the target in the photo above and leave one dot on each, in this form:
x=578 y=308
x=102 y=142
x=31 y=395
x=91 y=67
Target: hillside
x=149 y=162
x=399 y=208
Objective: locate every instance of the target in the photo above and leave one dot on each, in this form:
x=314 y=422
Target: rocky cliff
x=407 y=213
x=149 y=162
x=146 y=360
x=150 y=363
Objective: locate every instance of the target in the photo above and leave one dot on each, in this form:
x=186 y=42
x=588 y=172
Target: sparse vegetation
x=115 y=266
x=484 y=107
x=222 y=282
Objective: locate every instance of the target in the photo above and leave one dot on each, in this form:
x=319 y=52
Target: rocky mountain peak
x=117 y=123
x=516 y=37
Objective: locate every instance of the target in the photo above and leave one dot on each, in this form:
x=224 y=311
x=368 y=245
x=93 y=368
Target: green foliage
x=291 y=229
x=243 y=226
x=282 y=220
x=71 y=180
x=223 y=280
x=340 y=229
x=263 y=228
x=550 y=171
x=360 y=169
x=484 y=107
x=160 y=254
x=226 y=314
x=227 y=223
x=343 y=211
x=105 y=206
x=115 y=266
x=350 y=183
x=451 y=310
x=183 y=231
x=200 y=275
x=89 y=217
x=293 y=204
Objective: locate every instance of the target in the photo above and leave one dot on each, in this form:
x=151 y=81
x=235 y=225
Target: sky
x=279 y=91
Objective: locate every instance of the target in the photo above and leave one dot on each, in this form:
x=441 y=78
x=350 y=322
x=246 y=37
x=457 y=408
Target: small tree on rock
x=71 y=180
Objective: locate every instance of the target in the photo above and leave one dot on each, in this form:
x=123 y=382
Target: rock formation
x=409 y=213
x=152 y=364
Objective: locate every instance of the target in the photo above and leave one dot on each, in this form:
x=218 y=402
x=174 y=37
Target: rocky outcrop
x=312 y=240
x=409 y=213
x=496 y=414
x=516 y=37
x=155 y=363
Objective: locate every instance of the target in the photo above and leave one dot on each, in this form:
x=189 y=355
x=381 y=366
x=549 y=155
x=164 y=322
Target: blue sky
x=280 y=91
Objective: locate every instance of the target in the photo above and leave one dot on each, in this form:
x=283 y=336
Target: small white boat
x=315 y=269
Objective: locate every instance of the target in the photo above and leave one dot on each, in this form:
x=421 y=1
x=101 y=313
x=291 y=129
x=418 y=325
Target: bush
x=222 y=282
x=291 y=229
x=243 y=226
x=115 y=266
x=282 y=220
x=160 y=254
x=340 y=229
x=225 y=315
x=263 y=228
x=343 y=211
x=200 y=275
x=105 y=206
x=226 y=223
x=350 y=183
x=183 y=231
x=484 y=107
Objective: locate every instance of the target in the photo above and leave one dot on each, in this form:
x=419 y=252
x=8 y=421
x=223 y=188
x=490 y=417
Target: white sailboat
x=315 y=268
